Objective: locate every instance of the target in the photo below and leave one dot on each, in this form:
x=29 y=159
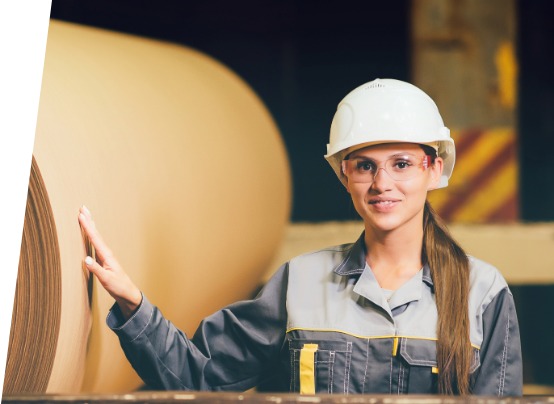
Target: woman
x=401 y=310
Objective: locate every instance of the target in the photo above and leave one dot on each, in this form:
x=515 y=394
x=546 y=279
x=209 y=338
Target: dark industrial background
x=302 y=57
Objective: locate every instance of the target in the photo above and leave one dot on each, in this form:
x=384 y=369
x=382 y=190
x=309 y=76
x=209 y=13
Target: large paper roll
x=185 y=174
x=37 y=306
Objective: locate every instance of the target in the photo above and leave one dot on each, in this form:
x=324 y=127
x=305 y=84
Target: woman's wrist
x=130 y=304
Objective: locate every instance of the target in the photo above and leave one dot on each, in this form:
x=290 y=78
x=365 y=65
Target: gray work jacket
x=323 y=325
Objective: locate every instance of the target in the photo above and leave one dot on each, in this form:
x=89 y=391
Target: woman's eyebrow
x=401 y=154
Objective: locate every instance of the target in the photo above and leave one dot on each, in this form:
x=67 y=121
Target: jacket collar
x=426 y=277
x=354 y=262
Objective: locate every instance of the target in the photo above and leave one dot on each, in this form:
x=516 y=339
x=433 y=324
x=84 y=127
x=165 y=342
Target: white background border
x=23 y=32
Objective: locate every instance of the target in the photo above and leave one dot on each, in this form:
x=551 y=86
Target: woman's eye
x=402 y=165
x=365 y=166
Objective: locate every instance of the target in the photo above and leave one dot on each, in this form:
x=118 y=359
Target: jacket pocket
x=319 y=366
x=419 y=370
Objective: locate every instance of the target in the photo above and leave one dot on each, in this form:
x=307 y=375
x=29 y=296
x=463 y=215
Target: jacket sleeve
x=500 y=373
x=233 y=349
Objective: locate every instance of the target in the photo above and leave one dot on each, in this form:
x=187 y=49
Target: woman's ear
x=344 y=178
x=346 y=184
x=436 y=172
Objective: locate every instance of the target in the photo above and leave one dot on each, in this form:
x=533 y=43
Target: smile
x=383 y=205
x=387 y=202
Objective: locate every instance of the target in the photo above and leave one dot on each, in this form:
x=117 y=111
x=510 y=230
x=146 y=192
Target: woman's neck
x=395 y=256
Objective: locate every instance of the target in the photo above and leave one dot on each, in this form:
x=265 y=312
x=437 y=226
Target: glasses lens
x=399 y=168
x=402 y=168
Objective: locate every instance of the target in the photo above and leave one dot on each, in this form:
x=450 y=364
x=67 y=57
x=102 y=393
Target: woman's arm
x=501 y=372
x=234 y=349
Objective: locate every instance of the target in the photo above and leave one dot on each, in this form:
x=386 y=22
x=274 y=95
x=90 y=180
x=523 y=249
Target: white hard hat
x=388 y=111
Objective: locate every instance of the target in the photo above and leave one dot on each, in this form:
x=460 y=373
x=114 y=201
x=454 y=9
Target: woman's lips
x=383 y=204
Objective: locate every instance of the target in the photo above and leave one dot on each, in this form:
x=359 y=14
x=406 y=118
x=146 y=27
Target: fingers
x=94 y=267
x=111 y=276
x=87 y=224
x=108 y=279
x=118 y=285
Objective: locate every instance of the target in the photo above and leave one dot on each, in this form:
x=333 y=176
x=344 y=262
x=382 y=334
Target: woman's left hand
x=108 y=271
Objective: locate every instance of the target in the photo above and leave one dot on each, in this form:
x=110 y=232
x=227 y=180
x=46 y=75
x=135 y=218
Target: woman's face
x=387 y=204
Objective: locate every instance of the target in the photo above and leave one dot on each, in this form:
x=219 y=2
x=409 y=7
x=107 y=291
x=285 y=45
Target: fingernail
x=89 y=260
x=86 y=210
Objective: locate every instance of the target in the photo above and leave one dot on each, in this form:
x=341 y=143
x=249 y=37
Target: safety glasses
x=401 y=167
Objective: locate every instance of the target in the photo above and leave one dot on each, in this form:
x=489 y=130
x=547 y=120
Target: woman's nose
x=382 y=181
